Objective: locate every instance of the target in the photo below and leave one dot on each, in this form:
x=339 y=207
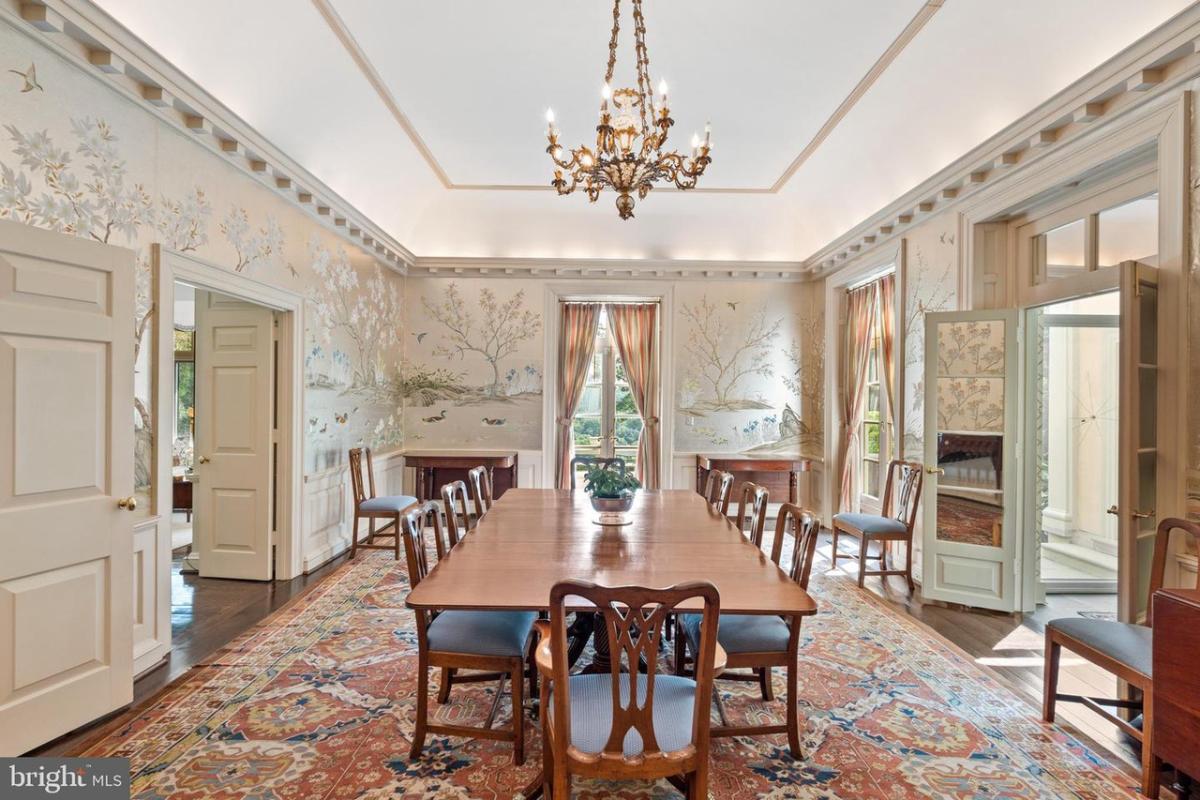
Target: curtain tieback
x=650 y=422
x=565 y=420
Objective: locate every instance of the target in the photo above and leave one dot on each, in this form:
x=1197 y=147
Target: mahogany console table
x=766 y=470
x=436 y=468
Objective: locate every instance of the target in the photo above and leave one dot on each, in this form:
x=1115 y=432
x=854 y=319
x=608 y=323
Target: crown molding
x=98 y=45
x=359 y=56
x=1141 y=76
x=609 y=268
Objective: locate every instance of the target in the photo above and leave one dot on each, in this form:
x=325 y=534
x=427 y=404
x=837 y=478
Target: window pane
x=870 y=479
x=872 y=409
x=1065 y=250
x=1129 y=232
x=589 y=402
x=871 y=438
x=587 y=435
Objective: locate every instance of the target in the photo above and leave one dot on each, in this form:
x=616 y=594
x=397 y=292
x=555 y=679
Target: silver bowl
x=612 y=509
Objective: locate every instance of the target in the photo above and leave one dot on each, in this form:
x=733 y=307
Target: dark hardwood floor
x=208 y=613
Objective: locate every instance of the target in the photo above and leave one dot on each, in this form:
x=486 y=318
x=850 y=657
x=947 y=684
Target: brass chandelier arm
x=631 y=135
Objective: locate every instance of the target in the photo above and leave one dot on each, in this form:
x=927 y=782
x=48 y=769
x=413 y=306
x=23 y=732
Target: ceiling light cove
x=629 y=156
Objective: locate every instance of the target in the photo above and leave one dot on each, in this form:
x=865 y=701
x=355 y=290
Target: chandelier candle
x=629 y=156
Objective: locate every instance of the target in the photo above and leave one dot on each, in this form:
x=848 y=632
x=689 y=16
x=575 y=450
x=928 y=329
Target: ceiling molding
x=99 y=46
x=360 y=58
x=614 y=268
x=1145 y=73
x=906 y=36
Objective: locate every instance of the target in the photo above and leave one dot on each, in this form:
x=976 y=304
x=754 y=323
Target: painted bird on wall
x=420 y=336
x=494 y=420
x=341 y=418
x=441 y=416
x=30 y=76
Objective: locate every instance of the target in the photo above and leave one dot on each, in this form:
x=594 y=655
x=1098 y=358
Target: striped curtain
x=860 y=320
x=576 y=343
x=887 y=340
x=635 y=330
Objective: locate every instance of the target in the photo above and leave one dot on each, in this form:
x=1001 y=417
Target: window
x=607 y=422
x=870 y=425
x=185 y=395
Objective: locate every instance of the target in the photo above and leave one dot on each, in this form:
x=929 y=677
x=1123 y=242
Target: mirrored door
x=970 y=497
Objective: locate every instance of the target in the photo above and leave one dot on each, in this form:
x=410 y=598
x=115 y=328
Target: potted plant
x=611 y=492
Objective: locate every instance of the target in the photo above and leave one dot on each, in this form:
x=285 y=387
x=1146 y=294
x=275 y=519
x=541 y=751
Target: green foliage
x=600 y=481
x=185 y=395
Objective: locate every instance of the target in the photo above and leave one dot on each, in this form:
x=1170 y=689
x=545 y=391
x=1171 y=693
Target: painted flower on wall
x=252 y=246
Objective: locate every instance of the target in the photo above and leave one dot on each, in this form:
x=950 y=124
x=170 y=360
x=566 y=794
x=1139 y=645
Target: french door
x=606 y=422
x=971 y=420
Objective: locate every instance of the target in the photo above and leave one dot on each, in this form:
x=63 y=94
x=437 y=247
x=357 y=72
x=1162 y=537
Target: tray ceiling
x=429 y=116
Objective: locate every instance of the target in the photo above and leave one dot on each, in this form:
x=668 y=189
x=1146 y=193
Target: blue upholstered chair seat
x=742 y=633
x=481 y=633
x=591 y=711
x=1129 y=644
x=396 y=503
x=871 y=523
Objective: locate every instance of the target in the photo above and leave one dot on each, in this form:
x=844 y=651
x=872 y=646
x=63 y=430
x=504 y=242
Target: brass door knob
x=127 y=504
x=935 y=470
x=202 y=460
x=1112 y=510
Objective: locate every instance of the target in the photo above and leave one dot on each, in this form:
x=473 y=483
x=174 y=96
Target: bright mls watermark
x=64 y=778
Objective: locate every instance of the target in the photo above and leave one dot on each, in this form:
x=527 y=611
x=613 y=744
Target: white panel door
x=234 y=418
x=971 y=390
x=66 y=483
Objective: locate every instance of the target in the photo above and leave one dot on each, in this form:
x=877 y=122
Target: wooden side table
x=766 y=470
x=436 y=468
x=1175 y=716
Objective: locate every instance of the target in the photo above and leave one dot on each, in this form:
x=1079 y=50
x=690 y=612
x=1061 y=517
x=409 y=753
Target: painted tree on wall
x=806 y=376
x=495 y=333
x=252 y=246
x=723 y=353
x=369 y=317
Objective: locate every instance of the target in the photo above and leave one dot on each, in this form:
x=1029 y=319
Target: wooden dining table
x=533 y=538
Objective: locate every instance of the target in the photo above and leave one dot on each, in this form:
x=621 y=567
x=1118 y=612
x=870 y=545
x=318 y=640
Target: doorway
x=607 y=423
x=1074 y=384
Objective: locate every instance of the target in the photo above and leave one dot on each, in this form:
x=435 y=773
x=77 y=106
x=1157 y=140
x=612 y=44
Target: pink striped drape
x=576 y=343
x=860 y=318
x=635 y=330
x=887 y=339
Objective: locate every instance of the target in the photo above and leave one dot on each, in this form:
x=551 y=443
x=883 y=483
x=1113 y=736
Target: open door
x=66 y=483
x=234 y=421
x=1137 y=437
x=971 y=403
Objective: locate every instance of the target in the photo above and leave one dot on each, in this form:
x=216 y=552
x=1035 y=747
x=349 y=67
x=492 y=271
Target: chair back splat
x=357 y=456
x=717 y=490
x=805 y=527
x=481 y=490
x=458 y=511
x=905 y=478
x=752 y=510
x=634 y=746
x=415 y=523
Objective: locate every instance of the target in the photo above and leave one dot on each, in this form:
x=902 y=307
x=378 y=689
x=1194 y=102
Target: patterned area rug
x=318 y=702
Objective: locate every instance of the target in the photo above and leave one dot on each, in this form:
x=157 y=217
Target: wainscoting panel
x=151 y=593
x=329 y=506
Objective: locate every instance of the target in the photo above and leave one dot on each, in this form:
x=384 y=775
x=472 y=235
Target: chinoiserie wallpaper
x=77 y=157
x=930 y=284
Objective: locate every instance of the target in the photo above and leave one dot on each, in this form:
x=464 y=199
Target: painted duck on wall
x=440 y=416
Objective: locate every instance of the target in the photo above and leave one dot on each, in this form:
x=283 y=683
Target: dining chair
x=752 y=510
x=371 y=507
x=1123 y=648
x=591 y=461
x=480 y=481
x=458 y=511
x=626 y=724
x=901 y=497
x=761 y=642
x=498 y=642
x=717 y=490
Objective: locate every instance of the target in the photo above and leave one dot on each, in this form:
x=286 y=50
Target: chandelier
x=629 y=155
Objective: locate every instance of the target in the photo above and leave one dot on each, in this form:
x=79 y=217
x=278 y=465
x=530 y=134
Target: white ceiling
x=473 y=79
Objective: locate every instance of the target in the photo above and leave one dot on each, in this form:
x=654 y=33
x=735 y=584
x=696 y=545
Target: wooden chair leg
x=354 y=537
x=835 y=545
x=1151 y=765
x=864 y=548
x=698 y=782
x=547 y=751
x=444 y=687
x=418 y=742
x=908 y=556
x=793 y=710
x=518 y=711
x=370 y=530
x=396 y=531
x=533 y=672
x=680 y=652
x=764 y=684
x=561 y=785
x=1050 y=678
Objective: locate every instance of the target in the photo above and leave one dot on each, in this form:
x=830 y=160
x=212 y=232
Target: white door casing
x=234 y=420
x=66 y=462
x=979 y=569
